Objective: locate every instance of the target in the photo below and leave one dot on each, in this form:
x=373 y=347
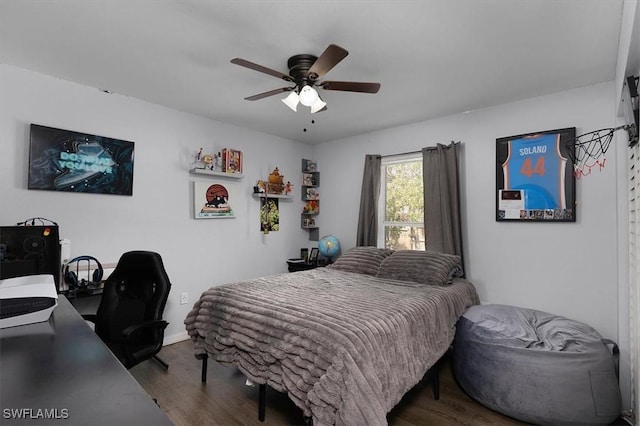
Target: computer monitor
x=30 y=250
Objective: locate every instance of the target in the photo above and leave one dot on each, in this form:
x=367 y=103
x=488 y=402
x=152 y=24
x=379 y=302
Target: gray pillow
x=421 y=266
x=362 y=260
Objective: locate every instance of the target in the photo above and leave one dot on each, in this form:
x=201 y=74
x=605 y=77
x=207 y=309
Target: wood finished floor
x=226 y=400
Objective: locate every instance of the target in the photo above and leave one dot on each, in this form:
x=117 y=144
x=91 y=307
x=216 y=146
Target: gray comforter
x=345 y=347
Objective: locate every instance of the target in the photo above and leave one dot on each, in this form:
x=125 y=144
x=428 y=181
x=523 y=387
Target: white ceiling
x=433 y=58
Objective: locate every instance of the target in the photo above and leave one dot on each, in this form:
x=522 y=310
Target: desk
x=63 y=367
x=85 y=303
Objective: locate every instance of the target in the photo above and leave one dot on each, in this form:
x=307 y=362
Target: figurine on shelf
x=312 y=194
x=207 y=160
x=275 y=182
x=214 y=160
x=197 y=160
x=218 y=162
x=311 y=207
x=307 y=179
x=203 y=161
x=288 y=188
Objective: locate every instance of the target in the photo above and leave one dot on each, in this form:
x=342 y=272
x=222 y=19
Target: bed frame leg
x=261 y=401
x=435 y=379
x=204 y=368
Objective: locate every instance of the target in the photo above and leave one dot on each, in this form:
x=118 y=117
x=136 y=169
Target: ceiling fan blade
x=351 y=86
x=260 y=68
x=331 y=56
x=269 y=93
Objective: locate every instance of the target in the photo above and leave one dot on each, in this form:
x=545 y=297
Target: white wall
x=159 y=216
x=564 y=268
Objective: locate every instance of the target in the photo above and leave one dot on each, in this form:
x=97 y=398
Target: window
x=401 y=215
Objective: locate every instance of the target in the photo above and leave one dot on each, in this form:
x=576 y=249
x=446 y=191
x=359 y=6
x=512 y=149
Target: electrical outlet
x=184 y=298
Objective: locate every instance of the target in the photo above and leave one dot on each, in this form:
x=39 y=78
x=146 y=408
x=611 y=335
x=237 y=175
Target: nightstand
x=295 y=266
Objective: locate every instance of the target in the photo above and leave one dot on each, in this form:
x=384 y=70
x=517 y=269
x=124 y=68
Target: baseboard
x=175 y=338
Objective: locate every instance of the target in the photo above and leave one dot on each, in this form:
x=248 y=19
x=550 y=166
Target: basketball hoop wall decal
x=590 y=149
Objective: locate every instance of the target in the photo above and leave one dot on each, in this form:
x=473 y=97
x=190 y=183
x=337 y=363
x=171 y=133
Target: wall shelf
x=263 y=195
x=216 y=174
x=311 y=198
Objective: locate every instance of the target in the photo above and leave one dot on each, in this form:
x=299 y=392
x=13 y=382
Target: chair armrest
x=130 y=331
x=90 y=317
x=128 y=344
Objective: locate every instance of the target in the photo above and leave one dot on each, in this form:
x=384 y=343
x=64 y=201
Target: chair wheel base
x=161 y=362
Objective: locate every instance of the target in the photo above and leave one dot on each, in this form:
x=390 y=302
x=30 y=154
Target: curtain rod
x=401 y=153
x=414 y=152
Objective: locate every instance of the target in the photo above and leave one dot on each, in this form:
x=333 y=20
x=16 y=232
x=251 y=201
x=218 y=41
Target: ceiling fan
x=305 y=70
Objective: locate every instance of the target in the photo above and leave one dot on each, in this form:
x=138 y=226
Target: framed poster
x=70 y=161
x=534 y=177
x=269 y=215
x=211 y=201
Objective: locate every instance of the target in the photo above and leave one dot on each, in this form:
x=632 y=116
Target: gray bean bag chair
x=536 y=367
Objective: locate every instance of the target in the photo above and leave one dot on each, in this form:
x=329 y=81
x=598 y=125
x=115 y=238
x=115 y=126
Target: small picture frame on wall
x=212 y=201
x=313 y=256
x=534 y=177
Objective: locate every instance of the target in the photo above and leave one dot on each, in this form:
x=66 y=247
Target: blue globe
x=329 y=246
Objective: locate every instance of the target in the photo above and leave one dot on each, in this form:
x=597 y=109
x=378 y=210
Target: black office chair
x=129 y=317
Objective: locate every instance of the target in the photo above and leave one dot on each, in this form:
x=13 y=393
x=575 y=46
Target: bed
x=344 y=342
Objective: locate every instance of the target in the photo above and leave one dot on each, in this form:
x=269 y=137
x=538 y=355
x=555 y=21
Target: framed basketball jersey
x=534 y=177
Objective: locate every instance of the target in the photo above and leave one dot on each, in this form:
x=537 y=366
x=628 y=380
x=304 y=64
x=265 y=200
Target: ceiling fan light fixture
x=308 y=96
x=305 y=70
x=318 y=105
x=291 y=101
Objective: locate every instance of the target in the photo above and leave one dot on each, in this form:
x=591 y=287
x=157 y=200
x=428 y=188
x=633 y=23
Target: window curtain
x=442 y=223
x=368 y=216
